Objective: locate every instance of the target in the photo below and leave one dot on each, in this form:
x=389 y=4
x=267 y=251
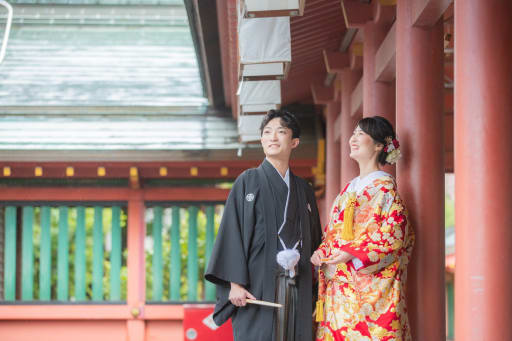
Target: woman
x=366 y=247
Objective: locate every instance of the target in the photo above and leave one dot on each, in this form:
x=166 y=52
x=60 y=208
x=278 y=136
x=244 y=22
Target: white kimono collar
x=358 y=184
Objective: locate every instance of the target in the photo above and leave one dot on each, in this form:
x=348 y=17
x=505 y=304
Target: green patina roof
x=176 y=132
x=85 y=75
x=146 y=61
x=98 y=2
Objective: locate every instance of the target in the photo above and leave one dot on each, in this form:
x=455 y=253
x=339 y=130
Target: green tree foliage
x=449 y=211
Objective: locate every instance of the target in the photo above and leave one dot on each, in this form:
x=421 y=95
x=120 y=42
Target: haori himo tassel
x=288 y=259
x=347 y=232
x=319 y=311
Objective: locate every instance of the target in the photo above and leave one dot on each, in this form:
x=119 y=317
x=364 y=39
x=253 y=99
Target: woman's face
x=362 y=146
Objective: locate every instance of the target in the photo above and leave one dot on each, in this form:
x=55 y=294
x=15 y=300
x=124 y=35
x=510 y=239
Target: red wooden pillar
x=419 y=121
x=483 y=166
x=136 y=290
x=349 y=168
x=332 y=160
x=378 y=97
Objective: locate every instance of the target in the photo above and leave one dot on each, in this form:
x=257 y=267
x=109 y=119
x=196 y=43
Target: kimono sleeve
x=386 y=235
x=325 y=245
x=228 y=261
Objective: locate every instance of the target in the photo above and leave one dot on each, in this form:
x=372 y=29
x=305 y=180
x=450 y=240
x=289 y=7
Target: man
x=270 y=214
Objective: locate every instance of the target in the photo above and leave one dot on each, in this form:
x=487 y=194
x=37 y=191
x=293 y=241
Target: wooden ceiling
x=322 y=27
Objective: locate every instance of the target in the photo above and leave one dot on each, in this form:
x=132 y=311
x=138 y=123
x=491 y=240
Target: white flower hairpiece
x=392 y=148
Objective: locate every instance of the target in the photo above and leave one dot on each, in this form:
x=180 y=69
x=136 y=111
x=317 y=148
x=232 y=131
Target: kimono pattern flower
x=364 y=299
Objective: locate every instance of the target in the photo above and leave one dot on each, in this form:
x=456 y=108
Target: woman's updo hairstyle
x=379 y=129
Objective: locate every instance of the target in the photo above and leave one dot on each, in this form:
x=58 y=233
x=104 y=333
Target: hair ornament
x=392 y=148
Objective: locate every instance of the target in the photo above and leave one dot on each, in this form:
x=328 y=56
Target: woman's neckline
x=371 y=173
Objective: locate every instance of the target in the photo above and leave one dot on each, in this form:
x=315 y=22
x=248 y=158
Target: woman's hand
x=238 y=295
x=316 y=258
x=338 y=257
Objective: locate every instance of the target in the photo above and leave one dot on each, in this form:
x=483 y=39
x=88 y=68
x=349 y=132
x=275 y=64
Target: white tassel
x=288 y=259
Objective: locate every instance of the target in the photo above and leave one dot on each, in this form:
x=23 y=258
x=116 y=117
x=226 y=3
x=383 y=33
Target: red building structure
x=438 y=69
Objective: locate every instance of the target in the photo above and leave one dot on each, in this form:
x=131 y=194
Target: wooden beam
x=384 y=11
x=28 y=194
x=337 y=87
x=322 y=95
x=356 y=56
x=385 y=64
x=224 y=12
x=355 y=13
x=356 y=99
x=88 y=312
x=66 y=312
x=146 y=170
x=185 y=194
x=336 y=61
x=426 y=13
x=279 y=9
x=204 y=28
x=337 y=130
x=273 y=13
x=134 y=178
x=64 y=194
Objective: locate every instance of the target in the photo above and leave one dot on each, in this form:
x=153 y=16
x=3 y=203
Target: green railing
x=179 y=242
x=77 y=253
x=450 y=316
x=64 y=253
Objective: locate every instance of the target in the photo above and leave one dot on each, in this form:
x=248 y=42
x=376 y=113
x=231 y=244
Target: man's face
x=277 y=140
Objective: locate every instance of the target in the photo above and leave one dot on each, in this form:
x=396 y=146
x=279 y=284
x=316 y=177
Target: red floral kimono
x=364 y=299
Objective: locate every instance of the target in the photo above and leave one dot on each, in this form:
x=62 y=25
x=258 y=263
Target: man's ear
x=295 y=142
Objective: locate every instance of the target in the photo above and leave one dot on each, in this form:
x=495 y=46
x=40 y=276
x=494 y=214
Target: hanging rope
x=7 y=28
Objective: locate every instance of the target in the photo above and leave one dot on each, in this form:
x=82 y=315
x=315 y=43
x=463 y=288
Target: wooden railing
x=182 y=241
x=77 y=253
x=57 y=245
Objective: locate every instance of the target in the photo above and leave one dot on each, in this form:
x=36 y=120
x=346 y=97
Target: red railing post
x=136 y=294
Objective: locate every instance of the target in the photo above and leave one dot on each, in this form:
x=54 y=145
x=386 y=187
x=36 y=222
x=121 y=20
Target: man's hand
x=338 y=257
x=238 y=295
x=316 y=258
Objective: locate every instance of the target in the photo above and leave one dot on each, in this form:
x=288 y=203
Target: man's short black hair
x=288 y=120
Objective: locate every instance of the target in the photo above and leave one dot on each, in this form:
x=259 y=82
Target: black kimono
x=246 y=247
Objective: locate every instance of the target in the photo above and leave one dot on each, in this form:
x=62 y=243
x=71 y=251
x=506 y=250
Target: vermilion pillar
x=136 y=266
x=483 y=166
x=419 y=121
x=332 y=160
x=378 y=97
x=349 y=168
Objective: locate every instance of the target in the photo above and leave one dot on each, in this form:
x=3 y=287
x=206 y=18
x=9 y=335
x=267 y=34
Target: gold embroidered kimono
x=364 y=299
